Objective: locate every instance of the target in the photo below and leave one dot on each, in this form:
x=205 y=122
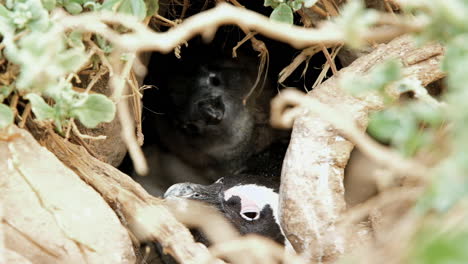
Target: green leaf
x=76 y=39
x=71 y=60
x=283 y=13
x=272 y=3
x=4 y=12
x=383 y=125
x=133 y=7
x=111 y=5
x=434 y=248
x=95 y=109
x=93 y=6
x=296 y=5
x=6 y=116
x=5 y=91
x=74 y=8
x=152 y=6
x=103 y=44
x=40 y=108
x=49 y=4
x=354 y=20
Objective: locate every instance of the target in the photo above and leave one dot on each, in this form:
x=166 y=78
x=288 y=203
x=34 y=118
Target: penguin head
x=250 y=207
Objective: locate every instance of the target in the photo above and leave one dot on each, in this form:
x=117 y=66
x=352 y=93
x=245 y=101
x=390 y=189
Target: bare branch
x=206 y=23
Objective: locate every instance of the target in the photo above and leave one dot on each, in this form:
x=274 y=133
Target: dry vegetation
x=52 y=206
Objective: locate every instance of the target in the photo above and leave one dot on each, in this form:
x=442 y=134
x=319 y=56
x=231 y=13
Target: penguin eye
x=214 y=80
x=250 y=216
x=220 y=180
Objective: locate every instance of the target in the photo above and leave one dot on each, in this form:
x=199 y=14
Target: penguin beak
x=179 y=190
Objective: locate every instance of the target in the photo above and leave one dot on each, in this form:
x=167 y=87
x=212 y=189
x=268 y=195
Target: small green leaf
x=383 y=125
x=435 y=248
x=71 y=59
x=152 y=6
x=103 y=44
x=76 y=39
x=74 y=8
x=4 y=12
x=283 y=13
x=40 y=108
x=5 y=91
x=6 y=116
x=49 y=4
x=93 y=6
x=111 y=5
x=133 y=7
x=95 y=109
x=272 y=3
x=296 y=5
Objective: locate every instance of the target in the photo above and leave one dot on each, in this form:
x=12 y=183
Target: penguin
x=204 y=116
x=250 y=205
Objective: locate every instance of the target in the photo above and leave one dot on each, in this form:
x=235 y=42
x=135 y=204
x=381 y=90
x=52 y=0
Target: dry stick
x=165 y=20
x=25 y=115
x=311 y=198
x=206 y=23
x=331 y=7
x=298 y=60
x=319 y=11
x=14 y=103
x=69 y=127
x=118 y=83
x=96 y=78
x=330 y=61
x=83 y=136
x=324 y=71
x=101 y=56
x=136 y=106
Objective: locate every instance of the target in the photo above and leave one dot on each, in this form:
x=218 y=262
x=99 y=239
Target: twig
x=69 y=127
x=206 y=23
x=298 y=60
x=319 y=11
x=330 y=60
x=83 y=136
x=248 y=36
x=101 y=56
x=165 y=20
x=14 y=103
x=323 y=73
x=118 y=83
x=136 y=108
x=96 y=78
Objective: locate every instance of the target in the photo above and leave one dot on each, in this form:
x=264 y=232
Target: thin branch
x=206 y=23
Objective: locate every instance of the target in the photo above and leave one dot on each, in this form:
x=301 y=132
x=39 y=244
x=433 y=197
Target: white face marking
x=261 y=196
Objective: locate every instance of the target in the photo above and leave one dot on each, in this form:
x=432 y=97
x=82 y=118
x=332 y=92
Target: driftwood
x=312 y=192
x=49 y=214
x=144 y=215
